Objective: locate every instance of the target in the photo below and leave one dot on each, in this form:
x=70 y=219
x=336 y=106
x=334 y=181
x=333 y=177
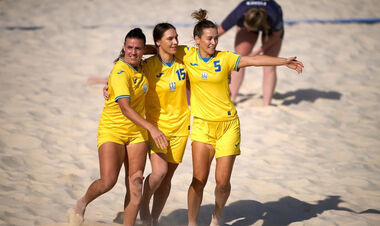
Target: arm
x=221 y=31
x=274 y=38
x=263 y=60
x=97 y=80
x=232 y=18
x=150 y=49
x=158 y=136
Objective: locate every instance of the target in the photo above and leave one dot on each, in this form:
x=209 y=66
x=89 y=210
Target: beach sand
x=314 y=159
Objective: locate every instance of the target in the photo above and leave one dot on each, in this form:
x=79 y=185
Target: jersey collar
x=134 y=68
x=168 y=64
x=205 y=59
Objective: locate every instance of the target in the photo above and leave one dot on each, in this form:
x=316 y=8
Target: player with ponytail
x=216 y=127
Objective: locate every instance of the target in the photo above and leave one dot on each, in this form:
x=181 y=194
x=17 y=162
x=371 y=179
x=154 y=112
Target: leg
x=244 y=42
x=152 y=182
x=162 y=193
x=223 y=172
x=127 y=197
x=270 y=74
x=202 y=157
x=111 y=156
x=136 y=164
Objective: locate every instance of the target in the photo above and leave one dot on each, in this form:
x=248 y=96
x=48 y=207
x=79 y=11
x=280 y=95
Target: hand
x=106 y=94
x=294 y=64
x=159 y=138
x=256 y=52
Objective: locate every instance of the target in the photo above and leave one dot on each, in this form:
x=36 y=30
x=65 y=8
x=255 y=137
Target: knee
x=136 y=181
x=198 y=184
x=159 y=174
x=108 y=182
x=224 y=187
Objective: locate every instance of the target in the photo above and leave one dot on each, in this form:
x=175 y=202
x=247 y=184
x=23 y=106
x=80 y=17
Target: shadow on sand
x=296 y=97
x=246 y=212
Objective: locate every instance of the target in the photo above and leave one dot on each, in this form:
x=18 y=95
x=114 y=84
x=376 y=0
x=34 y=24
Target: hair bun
x=200 y=15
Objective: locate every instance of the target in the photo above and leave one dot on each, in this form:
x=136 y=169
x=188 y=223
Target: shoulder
x=178 y=61
x=184 y=52
x=243 y=7
x=119 y=68
x=185 y=48
x=273 y=3
x=273 y=6
x=225 y=53
x=149 y=61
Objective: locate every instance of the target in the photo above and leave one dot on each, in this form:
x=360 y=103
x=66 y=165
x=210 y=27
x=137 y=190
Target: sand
x=314 y=159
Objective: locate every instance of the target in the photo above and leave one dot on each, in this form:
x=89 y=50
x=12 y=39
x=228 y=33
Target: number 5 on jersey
x=217 y=65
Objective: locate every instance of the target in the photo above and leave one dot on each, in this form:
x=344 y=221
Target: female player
x=252 y=17
x=166 y=108
x=122 y=136
x=215 y=128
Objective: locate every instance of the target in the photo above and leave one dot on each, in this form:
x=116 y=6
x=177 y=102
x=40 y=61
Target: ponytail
x=202 y=22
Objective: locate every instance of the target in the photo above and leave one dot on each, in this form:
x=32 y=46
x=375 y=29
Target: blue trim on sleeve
x=122 y=96
x=237 y=63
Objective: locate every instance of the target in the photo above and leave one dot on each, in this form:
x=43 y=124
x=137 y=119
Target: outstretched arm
x=263 y=60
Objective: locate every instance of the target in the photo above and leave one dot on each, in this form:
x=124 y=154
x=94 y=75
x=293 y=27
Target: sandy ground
x=312 y=160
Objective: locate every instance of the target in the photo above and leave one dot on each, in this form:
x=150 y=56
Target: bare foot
x=74 y=218
x=214 y=221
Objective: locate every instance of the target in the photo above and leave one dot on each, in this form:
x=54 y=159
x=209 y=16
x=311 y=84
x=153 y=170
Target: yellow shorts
x=224 y=136
x=174 y=152
x=123 y=139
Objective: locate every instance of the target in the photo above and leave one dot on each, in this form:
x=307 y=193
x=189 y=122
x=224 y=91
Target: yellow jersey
x=166 y=102
x=210 y=93
x=124 y=81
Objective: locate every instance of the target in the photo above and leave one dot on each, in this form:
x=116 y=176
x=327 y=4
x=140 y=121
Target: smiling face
x=168 y=42
x=207 y=42
x=134 y=50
